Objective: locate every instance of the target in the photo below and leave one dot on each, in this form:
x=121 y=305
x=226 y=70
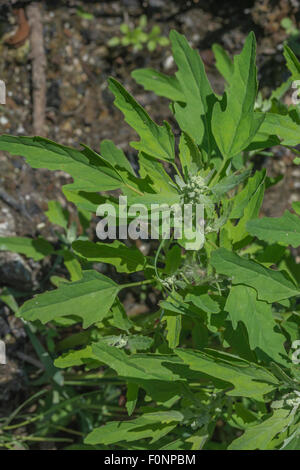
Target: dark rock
x=53 y=96
x=14 y=271
x=156 y=4
x=7 y=223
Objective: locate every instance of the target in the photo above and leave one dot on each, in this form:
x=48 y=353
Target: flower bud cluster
x=193 y=190
x=293 y=399
x=169 y=282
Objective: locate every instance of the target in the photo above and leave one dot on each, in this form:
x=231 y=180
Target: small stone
x=156 y=3
x=20 y=129
x=101 y=51
x=67 y=126
x=14 y=271
x=3 y=120
x=168 y=63
x=7 y=223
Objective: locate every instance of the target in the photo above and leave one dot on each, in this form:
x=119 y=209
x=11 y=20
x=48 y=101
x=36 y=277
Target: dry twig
x=39 y=62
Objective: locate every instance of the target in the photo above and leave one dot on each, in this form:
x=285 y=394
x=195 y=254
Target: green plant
x=84 y=14
x=292 y=33
x=289 y=27
x=219 y=347
x=137 y=37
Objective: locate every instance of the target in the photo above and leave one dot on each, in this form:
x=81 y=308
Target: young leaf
x=143 y=427
x=235 y=126
x=248 y=380
x=285 y=229
x=90 y=298
x=194 y=115
x=115 y=156
x=202 y=301
x=246 y=206
x=138 y=366
x=7 y=297
x=257 y=316
x=36 y=249
x=90 y=172
x=153 y=172
x=173 y=260
x=131 y=397
x=281 y=126
x=157 y=141
x=223 y=62
x=229 y=182
x=120 y=319
x=260 y=435
x=189 y=155
x=57 y=215
x=163 y=85
x=292 y=62
x=89 y=201
x=139 y=343
x=242 y=200
x=173 y=330
x=125 y=259
x=270 y=285
x=79 y=357
x=72 y=264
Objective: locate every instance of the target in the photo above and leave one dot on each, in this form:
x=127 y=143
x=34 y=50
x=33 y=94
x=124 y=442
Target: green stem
x=22 y=424
x=91 y=382
x=176 y=169
x=16 y=412
x=156 y=259
x=67 y=430
x=42 y=415
x=211 y=244
x=217 y=175
x=139 y=283
x=44 y=439
x=134 y=189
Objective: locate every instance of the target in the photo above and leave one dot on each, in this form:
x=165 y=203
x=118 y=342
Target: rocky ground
x=80 y=108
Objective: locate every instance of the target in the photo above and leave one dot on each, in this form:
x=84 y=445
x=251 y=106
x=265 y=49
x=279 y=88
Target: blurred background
x=83 y=43
x=55 y=58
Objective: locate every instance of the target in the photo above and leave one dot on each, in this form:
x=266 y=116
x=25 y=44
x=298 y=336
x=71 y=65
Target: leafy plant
x=289 y=27
x=212 y=366
x=84 y=14
x=138 y=37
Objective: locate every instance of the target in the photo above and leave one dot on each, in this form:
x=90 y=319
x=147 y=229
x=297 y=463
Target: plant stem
x=15 y=413
x=45 y=439
x=212 y=244
x=176 y=169
x=22 y=424
x=134 y=189
x=156 y=259
x=139 y=283
x=67 y=430
x=216 y=177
